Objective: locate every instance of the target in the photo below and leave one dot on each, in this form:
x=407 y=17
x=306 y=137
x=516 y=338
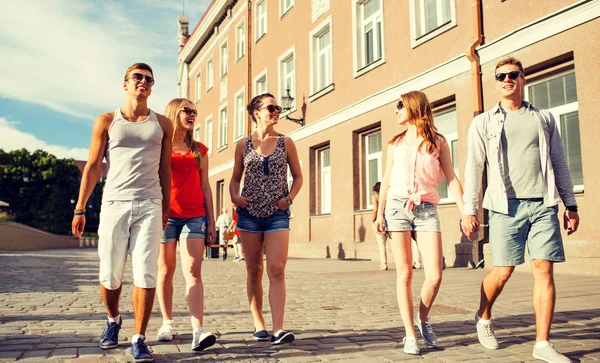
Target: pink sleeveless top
x=415 y=175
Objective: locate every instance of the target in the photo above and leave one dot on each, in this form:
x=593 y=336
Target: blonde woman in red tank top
x=416 y=159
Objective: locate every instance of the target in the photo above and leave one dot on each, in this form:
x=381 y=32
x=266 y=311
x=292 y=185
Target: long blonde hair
x=420 y=114
x=172 y=113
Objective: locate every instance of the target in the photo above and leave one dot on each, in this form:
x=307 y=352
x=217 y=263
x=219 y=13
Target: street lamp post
x=288 y=101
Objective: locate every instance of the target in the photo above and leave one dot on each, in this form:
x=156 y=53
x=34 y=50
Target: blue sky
x=63 y=63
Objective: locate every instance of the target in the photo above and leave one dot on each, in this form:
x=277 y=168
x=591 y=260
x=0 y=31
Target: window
x=209 y=134
x=240 y=114
x=445 y=121
x=373 y=160
x=240 y=41
x=209 y=75
x=287 y=74
x=558 y=94
x=261 y=19
x=321 y=57
x=198 y=87
x=431 y=18
x=325 y=180
x=220 y=192
x=285 y=6
x=260 y=83
x=197 y=133
x=368 y=35
x=222 y=128
x=224 y=59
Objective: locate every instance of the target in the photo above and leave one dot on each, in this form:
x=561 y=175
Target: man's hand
x=78 y=225
x=469 y=225
x=571 y=221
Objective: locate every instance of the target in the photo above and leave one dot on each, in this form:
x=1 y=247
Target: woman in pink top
x=416 y=159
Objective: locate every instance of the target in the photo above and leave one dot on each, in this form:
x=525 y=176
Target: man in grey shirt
x=528 y=176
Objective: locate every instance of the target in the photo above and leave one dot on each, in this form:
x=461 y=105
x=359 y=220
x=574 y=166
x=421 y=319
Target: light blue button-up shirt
x=485 y=146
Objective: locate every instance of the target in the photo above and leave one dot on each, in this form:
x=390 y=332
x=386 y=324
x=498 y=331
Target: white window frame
x=368 y=157
x=558 y=111
x=283 y=78
x=239 y=114
x=222 y=142
x=224 y=58
x=260 y=19
x=198 y=87
x=318 y=8
x=325 y=182
x=197 y=132
x=317 y=90
x=208 y=132
x=358 y=48
x=282 y=7
x=290 y=181
x=412 y=8
x=258 y=79
x=240 y=40
x=210 y=75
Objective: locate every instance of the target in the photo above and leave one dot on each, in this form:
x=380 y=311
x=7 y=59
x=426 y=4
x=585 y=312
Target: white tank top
x=133 y=155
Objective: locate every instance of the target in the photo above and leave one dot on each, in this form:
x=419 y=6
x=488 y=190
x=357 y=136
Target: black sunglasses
x=189 y=111
x=400 y=105
x=138 y=77
x=512 y=75
x=272 y=108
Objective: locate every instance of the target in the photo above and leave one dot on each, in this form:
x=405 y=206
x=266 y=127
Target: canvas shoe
x=283 y=337
x=140 y=351
x=485 y=333
x=546 y=352
x=203 y=339
x=411 y=346
x=165 y=333
x=426 y=331
x=110 y=335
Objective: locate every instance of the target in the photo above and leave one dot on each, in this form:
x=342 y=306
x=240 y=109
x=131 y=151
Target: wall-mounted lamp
x=288 y=101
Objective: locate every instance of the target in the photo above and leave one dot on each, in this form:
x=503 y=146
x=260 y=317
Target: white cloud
x=13 y=139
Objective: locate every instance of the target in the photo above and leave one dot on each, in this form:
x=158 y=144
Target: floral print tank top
x=265 y=179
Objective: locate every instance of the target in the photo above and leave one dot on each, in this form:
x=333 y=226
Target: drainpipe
x=249 y=89
x=476 y=84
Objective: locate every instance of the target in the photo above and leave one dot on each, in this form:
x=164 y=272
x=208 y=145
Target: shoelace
x=428 y=327
x=488 y=330
x=111 y=331
x=141 y=346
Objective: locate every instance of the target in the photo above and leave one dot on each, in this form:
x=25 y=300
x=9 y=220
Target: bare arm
x=383 y=190
x=92 y=169
x=208 y=201
x=164 y=169
x=375 y=201
x=236 y=176
x=453 y=183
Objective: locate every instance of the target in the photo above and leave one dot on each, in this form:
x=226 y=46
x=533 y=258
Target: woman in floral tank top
x=263 y=210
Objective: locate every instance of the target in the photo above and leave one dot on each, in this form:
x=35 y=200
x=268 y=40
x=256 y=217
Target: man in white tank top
x=135 y=203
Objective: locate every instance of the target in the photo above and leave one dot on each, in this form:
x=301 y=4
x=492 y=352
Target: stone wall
x=19 y=237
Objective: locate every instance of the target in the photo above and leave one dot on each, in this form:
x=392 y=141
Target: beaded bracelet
x=288 y=200
x=79 y=212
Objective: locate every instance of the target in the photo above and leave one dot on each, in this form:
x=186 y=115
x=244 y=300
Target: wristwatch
x=571 y=208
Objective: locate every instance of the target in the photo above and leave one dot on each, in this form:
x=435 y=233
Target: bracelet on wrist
x=80 y=212
x=571 y=208
x=288 y=200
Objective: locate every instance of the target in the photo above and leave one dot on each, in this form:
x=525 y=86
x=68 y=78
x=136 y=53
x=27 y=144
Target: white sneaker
x=485 y=333
x=546 y=352
x=203 y=339
x=165 y=333
x=411 y=346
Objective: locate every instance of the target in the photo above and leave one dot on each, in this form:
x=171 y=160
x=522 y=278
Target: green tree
x=39 y=188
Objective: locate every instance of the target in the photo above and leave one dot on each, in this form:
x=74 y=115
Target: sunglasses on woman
x=512 y=75
x=400 y=105
x=272 y=108
x=138 y=78
x=189 y=111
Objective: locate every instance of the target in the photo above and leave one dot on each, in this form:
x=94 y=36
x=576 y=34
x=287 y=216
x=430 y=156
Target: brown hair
x=172 y=113
x=256 y=104
x=138 y=66
x=510 y=60
x=420 y=114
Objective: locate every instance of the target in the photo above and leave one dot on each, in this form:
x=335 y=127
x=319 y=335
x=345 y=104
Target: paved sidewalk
x=50 y=310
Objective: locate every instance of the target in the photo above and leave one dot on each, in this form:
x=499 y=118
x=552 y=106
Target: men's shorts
x=528 y=222
x=422 y=218
x=278 y=221
x=129 y=227
x=184 y=228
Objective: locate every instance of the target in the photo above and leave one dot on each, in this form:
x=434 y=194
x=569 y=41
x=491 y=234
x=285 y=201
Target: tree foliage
x=39 y=188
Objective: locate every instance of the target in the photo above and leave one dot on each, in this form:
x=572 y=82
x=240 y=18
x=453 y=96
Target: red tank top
x=187 y=199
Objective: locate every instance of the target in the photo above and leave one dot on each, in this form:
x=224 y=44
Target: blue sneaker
x=283 y=338
x=141 y=352
x=110 y=335
x=261 y=336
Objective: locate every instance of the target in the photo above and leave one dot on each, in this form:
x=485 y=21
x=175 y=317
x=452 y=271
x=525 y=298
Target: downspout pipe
x=249 y=89
x=477 y=91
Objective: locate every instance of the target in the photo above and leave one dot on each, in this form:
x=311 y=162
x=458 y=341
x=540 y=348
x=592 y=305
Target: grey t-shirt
x=521 y=159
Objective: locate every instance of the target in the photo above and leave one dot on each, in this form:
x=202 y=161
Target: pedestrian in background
x=223 y=223
x=236 y=241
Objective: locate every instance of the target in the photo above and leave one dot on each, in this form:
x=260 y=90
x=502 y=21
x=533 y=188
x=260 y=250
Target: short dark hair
x=256 y=104
x=143 y=66
x=376 y=187
x=510 y=60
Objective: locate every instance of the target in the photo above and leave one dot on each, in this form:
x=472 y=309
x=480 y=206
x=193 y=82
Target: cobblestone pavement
x=50 y=310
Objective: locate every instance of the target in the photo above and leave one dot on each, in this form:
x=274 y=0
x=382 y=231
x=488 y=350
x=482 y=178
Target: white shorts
x=131 y=227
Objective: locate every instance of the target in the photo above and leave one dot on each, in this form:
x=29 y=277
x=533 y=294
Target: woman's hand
x=282 y=204
x=379 y=225
x=211 y=234
x=241 y=201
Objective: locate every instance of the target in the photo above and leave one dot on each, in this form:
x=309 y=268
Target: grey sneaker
x=485 y=333
x=411 y=346
x=426 y=331
x=549 y=354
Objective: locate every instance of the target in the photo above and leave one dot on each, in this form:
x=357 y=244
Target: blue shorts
x=278 y=221
x=422 y=218
x=184 y=228
x=528 y=222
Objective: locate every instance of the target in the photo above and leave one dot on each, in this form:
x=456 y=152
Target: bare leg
x=401 y=249
x=143 y=299
x=253 y=247
x=430 y=244
x=491 y=287
x=110 y=298
x=276 y=244
x=544 y=297
x=381 y=239
x=167 y=262
x=192 y=250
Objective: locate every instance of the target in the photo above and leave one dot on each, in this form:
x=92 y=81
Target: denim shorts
x=528 y=222
x=184 y=228
x=278 y=221
x=423 y=217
